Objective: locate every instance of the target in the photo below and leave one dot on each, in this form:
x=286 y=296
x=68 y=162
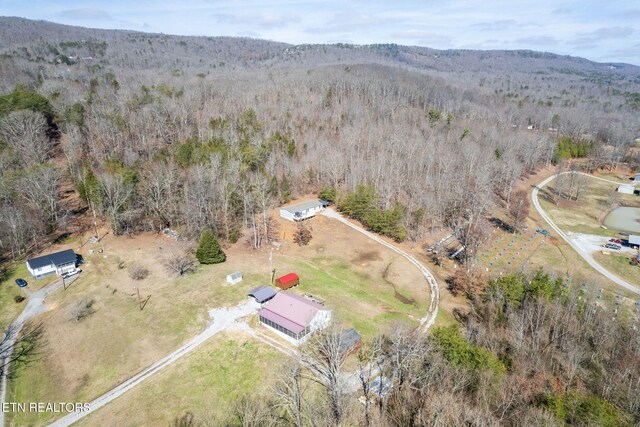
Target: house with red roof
x=294 y=317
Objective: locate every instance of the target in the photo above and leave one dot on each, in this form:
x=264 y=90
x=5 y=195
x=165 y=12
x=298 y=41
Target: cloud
x=261 y=20
x=86 y=13
x=424 y=38
x=250 y=34
x=348 y=21
x=538 y=41
x=501 y=25
x=612 y=32
x=628 y=14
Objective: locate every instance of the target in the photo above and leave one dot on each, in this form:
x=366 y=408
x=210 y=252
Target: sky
x=604 y=31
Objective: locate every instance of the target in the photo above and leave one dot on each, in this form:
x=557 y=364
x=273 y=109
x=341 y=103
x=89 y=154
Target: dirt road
x=430 y=317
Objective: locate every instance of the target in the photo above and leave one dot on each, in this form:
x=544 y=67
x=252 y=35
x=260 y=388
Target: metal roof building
x=262 y=294
x=294 y=317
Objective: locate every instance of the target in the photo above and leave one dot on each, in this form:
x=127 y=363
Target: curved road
x=226 y=318
x=584 y=254
x=430 y=316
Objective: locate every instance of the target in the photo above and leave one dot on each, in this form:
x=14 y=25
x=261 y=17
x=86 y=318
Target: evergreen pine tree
x=209 y=250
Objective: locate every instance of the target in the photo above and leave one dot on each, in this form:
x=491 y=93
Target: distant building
x=287 y=281
x=234 y=278
x=55 y=263
x=626 y=189
x=304 y=210
x=294 y=317
x=262 y=294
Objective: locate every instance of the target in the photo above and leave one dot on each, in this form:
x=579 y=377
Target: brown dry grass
x=367 y=286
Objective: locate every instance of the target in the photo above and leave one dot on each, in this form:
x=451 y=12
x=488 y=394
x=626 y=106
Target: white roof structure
x=634 y=240
x=300 y=207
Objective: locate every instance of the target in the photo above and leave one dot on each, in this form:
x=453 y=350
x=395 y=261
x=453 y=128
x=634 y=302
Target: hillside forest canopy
x=153 y=131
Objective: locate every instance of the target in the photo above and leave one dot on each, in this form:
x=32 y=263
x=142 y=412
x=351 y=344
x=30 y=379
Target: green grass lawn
x=206 y=382
x=9 y=309
x=619 y=265
x=368 y=304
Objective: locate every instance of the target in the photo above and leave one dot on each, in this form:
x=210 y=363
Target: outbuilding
x=294 y=317
x=262 y=294
x=234 y=278
x=304 y=210
x=55 y=263
x=287 y=281
x=637 y=178
x=634 y=241
x=626 y=189
x=350 y=341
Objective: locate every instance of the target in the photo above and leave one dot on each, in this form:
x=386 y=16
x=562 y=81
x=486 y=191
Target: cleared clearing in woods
x=368 y=286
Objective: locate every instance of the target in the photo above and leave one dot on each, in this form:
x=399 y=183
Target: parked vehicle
x=21 y=282
x=71 y=273
x=543 y=231
x=613 y=246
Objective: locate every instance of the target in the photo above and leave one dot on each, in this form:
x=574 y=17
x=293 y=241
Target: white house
x=303 y=210
x=626 y=189
x=56 y=263
x=234 y=278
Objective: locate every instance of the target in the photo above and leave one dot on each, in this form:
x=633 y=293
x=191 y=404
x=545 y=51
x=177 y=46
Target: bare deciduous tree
x=24 y=130
x=81 y=309
x=179 y=259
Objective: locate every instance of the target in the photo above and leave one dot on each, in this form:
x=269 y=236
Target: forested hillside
x=152 y=130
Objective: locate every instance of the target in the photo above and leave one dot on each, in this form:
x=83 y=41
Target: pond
x=624 y=219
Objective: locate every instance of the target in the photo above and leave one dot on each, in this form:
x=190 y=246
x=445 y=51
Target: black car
x=21 y=282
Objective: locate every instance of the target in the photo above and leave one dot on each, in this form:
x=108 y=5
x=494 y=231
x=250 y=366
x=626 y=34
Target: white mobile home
x=56 y=263
x=304 y=210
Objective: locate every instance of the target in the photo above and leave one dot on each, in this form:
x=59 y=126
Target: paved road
x=432 y=312
x=222 y=319
x=575 y=243
x=35 y=305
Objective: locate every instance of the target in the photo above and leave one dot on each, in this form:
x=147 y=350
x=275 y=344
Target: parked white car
x=71 y=273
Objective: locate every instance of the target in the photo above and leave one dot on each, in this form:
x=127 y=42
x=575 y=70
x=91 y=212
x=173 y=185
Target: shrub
x=81 y=309
x=138 y=272
x=18 y=298
x=209 y=251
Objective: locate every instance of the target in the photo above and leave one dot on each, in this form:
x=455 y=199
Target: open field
x=584 y=215
x=620 y=265
x=206 y=383
x=368 y=287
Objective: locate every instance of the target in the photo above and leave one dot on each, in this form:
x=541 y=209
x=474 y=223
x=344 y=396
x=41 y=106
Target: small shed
x=262 y=294
x=637 y=178
x=634 y=240
x=234 y=278
x=287 y=281
x=626 y=189
x=350 y=341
